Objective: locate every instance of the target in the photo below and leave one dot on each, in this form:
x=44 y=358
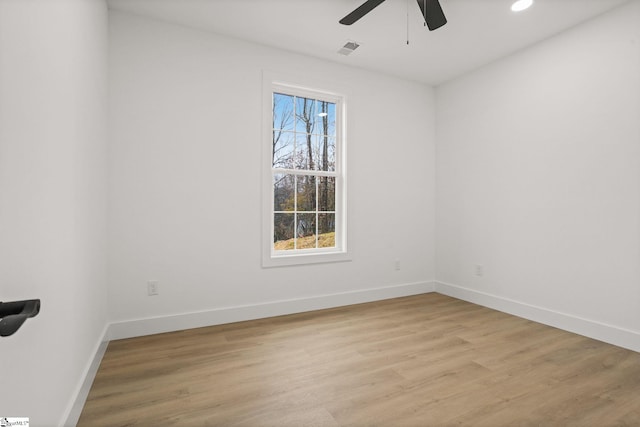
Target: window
x=306 y=212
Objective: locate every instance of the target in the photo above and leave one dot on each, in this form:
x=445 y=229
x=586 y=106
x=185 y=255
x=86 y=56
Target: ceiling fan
x=431 y=11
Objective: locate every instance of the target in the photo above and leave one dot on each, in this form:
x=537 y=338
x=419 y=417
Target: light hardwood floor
x=427 y=360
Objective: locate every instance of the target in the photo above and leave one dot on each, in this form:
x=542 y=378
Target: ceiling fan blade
x=362 y=10
x=433 y=14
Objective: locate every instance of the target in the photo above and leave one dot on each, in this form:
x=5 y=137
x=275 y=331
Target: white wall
x=185 y=190
x=52 y=199
x=538 y=179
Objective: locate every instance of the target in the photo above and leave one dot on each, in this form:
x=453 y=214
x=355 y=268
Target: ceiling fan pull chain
x=408 y=22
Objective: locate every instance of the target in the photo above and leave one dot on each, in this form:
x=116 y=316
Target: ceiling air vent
x=348 y=48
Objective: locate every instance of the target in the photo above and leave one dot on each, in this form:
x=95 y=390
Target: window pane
x=304 y=157
x=306 y=231
x=305 y=115
x=324 y=151
x=325 y=118
x=283 y=118
x=283 y=235
x=326 y=193
x=283 y=149
x=331 y=119
x=326 y=230
x=306 y=188
x=283 y=192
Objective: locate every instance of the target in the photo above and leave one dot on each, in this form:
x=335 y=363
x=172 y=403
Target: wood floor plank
x=426 y=360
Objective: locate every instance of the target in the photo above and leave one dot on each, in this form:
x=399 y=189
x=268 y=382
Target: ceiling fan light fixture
x=521 y=5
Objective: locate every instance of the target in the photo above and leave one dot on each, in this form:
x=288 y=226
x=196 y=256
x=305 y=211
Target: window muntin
x=306 y=215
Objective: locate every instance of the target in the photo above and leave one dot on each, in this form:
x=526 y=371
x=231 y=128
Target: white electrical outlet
x=152 y=287
x=397 y=264
x=479 y=270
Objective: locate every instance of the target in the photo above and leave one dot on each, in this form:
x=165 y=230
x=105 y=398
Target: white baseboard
x=600 y=331
x=75 y=408
x=219 y=316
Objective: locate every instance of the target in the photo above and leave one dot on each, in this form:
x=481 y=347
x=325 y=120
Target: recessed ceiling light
x=521 y=5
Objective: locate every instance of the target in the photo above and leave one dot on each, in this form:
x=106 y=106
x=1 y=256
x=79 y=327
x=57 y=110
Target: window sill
x=270 y=261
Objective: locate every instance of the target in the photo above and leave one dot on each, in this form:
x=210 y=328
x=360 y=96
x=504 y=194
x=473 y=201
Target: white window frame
x=270 y=257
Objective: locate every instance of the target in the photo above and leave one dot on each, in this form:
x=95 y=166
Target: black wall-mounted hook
x=14 y=314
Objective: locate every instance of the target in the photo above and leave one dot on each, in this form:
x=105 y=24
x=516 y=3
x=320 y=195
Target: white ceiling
x=478 y=31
